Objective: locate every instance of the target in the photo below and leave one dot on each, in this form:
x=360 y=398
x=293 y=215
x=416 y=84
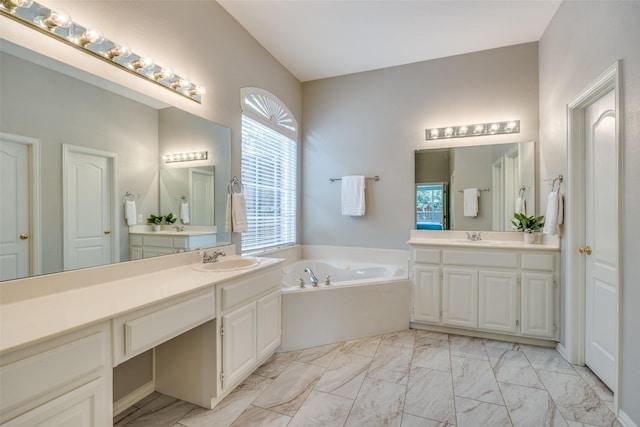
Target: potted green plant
x=155 y=221
x=528 y=225
x=169 y=218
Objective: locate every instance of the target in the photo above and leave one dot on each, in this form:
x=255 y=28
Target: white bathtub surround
x=369 y=294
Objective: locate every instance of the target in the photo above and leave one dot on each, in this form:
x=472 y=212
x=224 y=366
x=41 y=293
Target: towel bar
x=374 y=178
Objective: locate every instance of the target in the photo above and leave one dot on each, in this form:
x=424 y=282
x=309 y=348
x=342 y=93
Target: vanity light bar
x=479 y=129
x=185 y=157
x=59 y=25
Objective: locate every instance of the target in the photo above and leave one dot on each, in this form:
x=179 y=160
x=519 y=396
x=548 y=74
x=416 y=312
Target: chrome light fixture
x=185 y=157
x=59 y=25
x=480 y=129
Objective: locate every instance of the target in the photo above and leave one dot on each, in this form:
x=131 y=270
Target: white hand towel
x=553 y=213
x=184 y=212
x=353 y=202
x=130 y=213
x=227 y=214
x=520 y=206
x=471 y=201
x=238 y=213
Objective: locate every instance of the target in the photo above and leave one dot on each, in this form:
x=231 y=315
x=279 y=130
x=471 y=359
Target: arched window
x=269 y=170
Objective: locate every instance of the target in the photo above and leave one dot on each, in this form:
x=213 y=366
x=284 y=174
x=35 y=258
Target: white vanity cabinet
x=508 y=291
x=150 y=244
x=244 y=334
x=65 y=381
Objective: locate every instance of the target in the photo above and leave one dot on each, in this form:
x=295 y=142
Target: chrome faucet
x=327 y=281
x=474 y=236
x=178 y=228
x=312 y=277
x=206 y=258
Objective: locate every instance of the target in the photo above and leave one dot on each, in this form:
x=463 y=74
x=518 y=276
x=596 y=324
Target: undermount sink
x=228 y=264
x=479 y=242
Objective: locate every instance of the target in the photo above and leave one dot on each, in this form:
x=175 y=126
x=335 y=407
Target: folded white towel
x=555 y=213
x=238 y=213
x=353 y=202
x=520 y=206
x=130 y=213
x=227 y=214
x=471 y=201
x=184 y=212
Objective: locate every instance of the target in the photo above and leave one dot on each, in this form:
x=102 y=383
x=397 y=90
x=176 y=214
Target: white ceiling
x=315 y=39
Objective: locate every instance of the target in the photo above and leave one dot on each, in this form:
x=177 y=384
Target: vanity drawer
x=159 y=241
x=238 y=292
x=143 y=329
x=426 y=256
x=43 y=372
x=540 y=262
x=480 y=258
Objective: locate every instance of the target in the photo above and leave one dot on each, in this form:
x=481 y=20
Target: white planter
x=157 y=227
x=529 y=238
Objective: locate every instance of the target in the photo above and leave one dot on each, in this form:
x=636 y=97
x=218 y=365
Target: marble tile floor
x=406 y=379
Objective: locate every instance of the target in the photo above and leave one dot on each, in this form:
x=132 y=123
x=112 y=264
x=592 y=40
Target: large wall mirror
x=49 y=105
x=503 y=174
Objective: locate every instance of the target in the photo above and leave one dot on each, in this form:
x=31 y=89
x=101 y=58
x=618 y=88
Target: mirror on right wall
x=503 y=174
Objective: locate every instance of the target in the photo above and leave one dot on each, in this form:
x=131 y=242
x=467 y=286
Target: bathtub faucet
x=312 y=277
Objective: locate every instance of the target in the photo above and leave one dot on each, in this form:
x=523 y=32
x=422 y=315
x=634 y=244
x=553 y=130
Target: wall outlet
x=139 y=218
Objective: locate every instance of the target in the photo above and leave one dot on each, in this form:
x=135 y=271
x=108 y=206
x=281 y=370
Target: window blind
x=269 y=161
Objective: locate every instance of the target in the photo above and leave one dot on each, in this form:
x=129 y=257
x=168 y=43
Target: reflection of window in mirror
x=431 y=206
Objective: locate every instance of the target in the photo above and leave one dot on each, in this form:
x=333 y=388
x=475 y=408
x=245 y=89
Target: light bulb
x=478 y=129
x=14 y=4
x=164 y=73
x=90 y=36
x=435 y=133
x=511 y=126
x=181 y=83
x=118 y=51
x=494 y=128
x=198 y=90
x=448 y=132
x=462 y=130
x=56 y=18
x=142 y=62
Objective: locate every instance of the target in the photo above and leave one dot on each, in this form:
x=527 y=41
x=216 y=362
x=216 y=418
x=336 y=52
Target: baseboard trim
x=625 y=420
x=563 y=352
x=131 y=398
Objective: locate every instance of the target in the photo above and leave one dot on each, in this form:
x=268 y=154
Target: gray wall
x=472 y=169
x=582 y=41
x=370 y=123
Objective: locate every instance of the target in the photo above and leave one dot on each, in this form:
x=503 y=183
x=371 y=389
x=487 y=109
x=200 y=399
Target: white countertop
x=33 y=318
x=490 y=240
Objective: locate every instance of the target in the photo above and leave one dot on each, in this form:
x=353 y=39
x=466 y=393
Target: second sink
x=228 y=264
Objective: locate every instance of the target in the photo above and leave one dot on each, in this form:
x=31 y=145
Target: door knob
x=585 y=250
x=24 y=236
x=107 y=231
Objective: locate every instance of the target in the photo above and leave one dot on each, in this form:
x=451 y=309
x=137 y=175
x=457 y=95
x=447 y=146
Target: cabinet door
x=268 y=323
x=460 y=297
x=426 y=294
x=498 y=301
x=537 y=305
x=238 y=343
x=135 y=253
x=86 y=406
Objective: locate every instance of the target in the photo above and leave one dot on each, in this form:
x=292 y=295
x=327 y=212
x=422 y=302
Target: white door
x=498 y=301
x=269 y=330
x=460 y=297
x=239 y=351
x=202 y=194
x=601 y=245
x=536 y=305
x=426 y=294
x=14 y=210
x=88 y=222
